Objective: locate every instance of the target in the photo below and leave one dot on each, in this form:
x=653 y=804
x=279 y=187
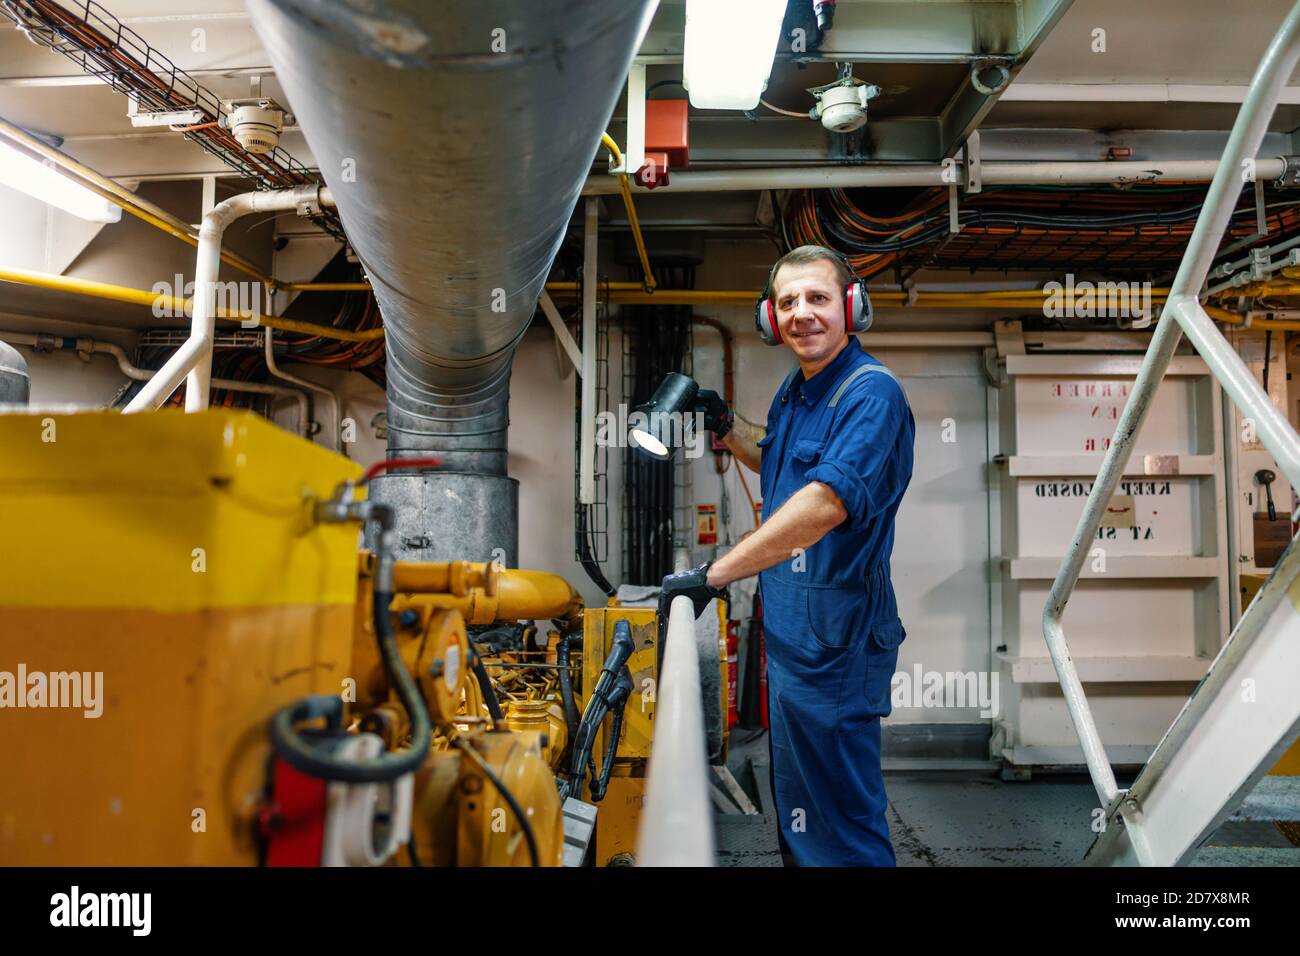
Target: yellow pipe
x=631 y=293
x=967 y=300
x=449 y=577
x=619 y=294
x=100 y=290
x=311 y=328
x=572 y=288
x=324 y=287
x=632 y=220
x=521 y=596
x=118 y=194
x=678 y=297
x=623 y=293
x=1157 y=293
x=1264 y=288
x=1223 y=315
x=1277 y=325
x=177 y=306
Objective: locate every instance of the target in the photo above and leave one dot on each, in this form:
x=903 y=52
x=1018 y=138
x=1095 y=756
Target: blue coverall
x=830 y=616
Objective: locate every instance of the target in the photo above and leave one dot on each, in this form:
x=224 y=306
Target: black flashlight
x=661 y=423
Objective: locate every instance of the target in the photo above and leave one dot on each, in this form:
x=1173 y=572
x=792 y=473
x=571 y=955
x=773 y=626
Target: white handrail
x=677 y=822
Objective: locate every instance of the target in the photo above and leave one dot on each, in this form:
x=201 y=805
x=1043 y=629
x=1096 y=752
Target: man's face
x=810 y=309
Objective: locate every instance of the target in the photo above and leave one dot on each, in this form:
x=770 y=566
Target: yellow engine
x=193 y=671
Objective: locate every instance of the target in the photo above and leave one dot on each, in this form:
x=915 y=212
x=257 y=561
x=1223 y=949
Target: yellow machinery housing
x=620 y=810
x=172 y=558
x=166 y=589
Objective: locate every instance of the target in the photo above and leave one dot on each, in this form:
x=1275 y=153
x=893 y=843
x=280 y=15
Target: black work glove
x=694 y=584
x=717 y=413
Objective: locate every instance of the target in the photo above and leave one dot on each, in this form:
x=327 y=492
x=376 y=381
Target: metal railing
x=1182 y=314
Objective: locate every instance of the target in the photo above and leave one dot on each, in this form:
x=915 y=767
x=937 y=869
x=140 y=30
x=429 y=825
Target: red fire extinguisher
x=733 y=665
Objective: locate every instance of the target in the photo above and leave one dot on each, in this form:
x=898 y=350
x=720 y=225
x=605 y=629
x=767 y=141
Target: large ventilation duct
x=15 y=383
x=455 y=138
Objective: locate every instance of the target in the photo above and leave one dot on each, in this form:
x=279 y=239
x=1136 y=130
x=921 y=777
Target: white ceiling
x=1147 y=41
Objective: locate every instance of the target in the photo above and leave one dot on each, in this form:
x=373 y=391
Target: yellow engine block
x=173 y=559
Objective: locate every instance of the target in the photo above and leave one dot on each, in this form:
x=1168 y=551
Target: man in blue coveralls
x=834 y=460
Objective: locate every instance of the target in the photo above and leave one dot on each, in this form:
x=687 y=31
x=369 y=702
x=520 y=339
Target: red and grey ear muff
x=765 y=321
x=857 y=307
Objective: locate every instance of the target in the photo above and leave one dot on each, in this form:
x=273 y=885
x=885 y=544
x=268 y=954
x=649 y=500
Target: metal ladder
x=1246 y=711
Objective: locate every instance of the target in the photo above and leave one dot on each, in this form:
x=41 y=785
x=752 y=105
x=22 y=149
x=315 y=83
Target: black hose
x=585 y=556
x=567 y=643
x=508 y=797
x=290 y=746
x=1268 y=347
x=618 y=699
x=485 y=687
x=599 y=705
x=601 y=784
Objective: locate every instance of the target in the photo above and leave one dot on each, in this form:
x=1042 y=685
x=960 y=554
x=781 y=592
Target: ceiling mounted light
x=729 y=49
x=40 y=181
x=256 y=123
x=842 y=105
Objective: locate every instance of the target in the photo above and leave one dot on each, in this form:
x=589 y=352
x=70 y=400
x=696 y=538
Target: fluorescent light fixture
x=729 y=49
x=31 y=176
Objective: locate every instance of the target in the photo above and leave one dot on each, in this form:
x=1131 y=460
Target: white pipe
x=897 y=174
x=587 y=442
x=677 y=823
x=634 y=148
x=1019 y=92
x=57 y=342
x=229 y=384
x=170 y=376
x=279 y=391
x=192 y=362
x=327 y=394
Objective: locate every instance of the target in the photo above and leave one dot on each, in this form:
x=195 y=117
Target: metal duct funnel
x=455 y=137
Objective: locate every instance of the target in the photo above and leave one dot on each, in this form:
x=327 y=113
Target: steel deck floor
x=973 y=818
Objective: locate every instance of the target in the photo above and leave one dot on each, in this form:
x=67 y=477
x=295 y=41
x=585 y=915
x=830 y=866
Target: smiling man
x=834 y=459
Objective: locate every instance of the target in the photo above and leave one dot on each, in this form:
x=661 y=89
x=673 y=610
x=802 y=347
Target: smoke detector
x=255 y=123
x=842 y=105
